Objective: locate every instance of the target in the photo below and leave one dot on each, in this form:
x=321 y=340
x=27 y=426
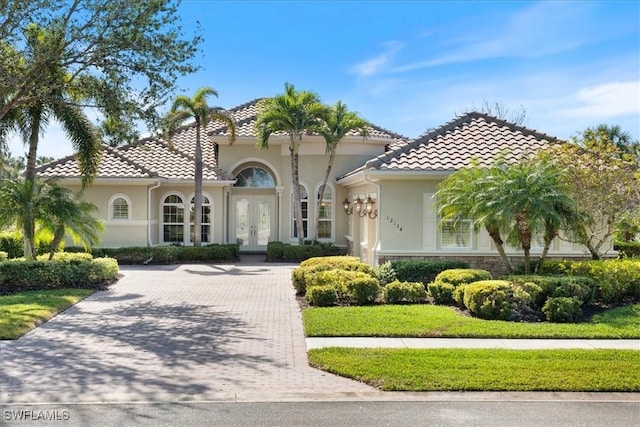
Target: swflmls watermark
x=35 y=415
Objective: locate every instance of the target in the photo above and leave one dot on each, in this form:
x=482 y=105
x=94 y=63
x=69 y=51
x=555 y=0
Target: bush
x=458 y=294
x=495 y=299
x=3 y=256
x=628 y=249
x=615 y=279
x=362 y=290
x=278 y=251
x=322 y=296
x=563 y=309
x=580 y=287
x=20 y=275
x=160 y=255
x=397 y=291
x=458 y=276
x=447 y=281
x=11 y=243
x=442 y=293
x=423 y=271
x=302 y=275
x=386 y=274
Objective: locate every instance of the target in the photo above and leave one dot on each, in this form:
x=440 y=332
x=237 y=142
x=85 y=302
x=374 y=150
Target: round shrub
x=442 y=293
x=563 y=309
x=494 y=299
x=458 y=294
x=362 y=289
x=302 y=277
x=3 y=255
x=458 y=276
x=397 y=291
x=322 y=296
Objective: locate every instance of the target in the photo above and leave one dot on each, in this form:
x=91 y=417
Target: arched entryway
x=254 y=207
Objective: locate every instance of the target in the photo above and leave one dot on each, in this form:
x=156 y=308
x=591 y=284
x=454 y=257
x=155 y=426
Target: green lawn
x=440 y=321
x=484 y=370
x=23 y=311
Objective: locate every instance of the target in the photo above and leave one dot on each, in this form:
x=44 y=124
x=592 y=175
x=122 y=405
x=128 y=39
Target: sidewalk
x=513 y=344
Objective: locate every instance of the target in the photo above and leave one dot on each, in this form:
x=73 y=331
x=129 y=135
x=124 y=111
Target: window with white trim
x=119 y=208
x=325 y=223
x=458 y=237
x=304 y=199
x=173 y=219
x=205 y=225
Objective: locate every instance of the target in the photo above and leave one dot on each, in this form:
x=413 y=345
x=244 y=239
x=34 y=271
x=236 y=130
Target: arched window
x=119 y=207
x=173 y=219
x=254 y=177
x=205 y=226
x=325 y=223
x=304 y=198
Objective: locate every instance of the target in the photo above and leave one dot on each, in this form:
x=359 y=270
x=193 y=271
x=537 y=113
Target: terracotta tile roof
x=151 y=157
x=452 y=146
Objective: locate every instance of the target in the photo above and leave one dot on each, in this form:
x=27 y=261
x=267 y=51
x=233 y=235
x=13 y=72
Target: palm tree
x=63 y=212
x=464 y=196
x=338 y=123
x=294 y=113
x=530 y=194
x=185 y=108
x=57 y=98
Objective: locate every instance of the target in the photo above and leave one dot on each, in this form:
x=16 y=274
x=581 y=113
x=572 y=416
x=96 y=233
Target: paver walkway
x=170 y=333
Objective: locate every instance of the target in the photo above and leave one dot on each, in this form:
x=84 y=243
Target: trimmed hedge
x=497 y=299
x=21 y=275
x=350 y=286
x=302 y=276
x=628 y=249
x=442 y=289
x=563 y=309
x=424 y=271
x=579 y=287
x=3 y=256
x=160 y=255
x=409 y=292
x=285 y=252
x=616 y=279
x=322 y=296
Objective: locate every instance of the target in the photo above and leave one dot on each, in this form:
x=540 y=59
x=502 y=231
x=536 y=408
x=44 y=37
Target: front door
x=253 y=221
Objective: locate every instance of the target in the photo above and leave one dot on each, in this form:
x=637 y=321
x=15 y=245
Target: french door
x=252 y=221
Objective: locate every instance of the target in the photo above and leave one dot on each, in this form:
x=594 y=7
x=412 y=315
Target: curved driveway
x=187 y=332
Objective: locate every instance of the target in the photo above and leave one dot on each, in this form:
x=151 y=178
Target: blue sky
x=413 y=65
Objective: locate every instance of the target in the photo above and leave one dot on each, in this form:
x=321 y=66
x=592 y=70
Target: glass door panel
x=263 y=222
x=242 y=222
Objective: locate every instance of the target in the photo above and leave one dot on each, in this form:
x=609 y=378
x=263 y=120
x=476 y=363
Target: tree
x=500 y=111
x=294 y=113
x=134 y=50
x=11 y=167
x=464 y=195
x=185 y=108
x=532 y=198
x=60 y=103
x=63 y=212
x=338 y=123
x=602 y=180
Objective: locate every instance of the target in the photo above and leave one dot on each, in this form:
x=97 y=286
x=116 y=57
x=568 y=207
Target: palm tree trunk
x=297 y=204
x=197 y=214
x=332 y=156
x=55 y=243
x=29 y=230
x=497 y=240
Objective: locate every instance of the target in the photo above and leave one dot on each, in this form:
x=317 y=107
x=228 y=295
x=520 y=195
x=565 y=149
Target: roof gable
x=452 y=146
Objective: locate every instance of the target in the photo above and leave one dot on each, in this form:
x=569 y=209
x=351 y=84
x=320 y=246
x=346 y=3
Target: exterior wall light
x=362 y=207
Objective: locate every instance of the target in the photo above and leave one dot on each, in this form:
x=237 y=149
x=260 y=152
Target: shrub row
x=331 y=286
x=498 y=299
x=304 y=275
x=424 y=271
x=166 y=254
x=285 y=252
x=407 y=292
x=3 y=255
x=66 y=272
x=628 y=249
x=615 y=279
x=445 y=283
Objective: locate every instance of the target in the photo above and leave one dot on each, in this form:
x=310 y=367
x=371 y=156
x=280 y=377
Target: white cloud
x=606 y=100
x=375 y=65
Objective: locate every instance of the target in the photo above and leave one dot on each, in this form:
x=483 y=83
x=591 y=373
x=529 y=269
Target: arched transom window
x=254 y=177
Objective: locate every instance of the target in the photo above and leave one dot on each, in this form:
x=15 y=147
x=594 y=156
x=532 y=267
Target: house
x=378 y=202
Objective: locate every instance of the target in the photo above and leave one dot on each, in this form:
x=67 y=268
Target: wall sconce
x=362 y=207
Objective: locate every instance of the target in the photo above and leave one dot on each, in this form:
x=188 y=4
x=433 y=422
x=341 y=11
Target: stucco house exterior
x=144 y=192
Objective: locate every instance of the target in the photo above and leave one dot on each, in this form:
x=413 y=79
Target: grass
x=23 y=311
x=440 y=321
x=484 y=370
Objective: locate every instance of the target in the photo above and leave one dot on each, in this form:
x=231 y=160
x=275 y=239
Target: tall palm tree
x=294 y=113
x=185 y=108
x=338 y=123
x=464 y=196
x=65 y=213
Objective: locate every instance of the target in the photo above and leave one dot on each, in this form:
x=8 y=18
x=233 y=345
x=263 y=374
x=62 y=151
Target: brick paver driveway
x=185 y=332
